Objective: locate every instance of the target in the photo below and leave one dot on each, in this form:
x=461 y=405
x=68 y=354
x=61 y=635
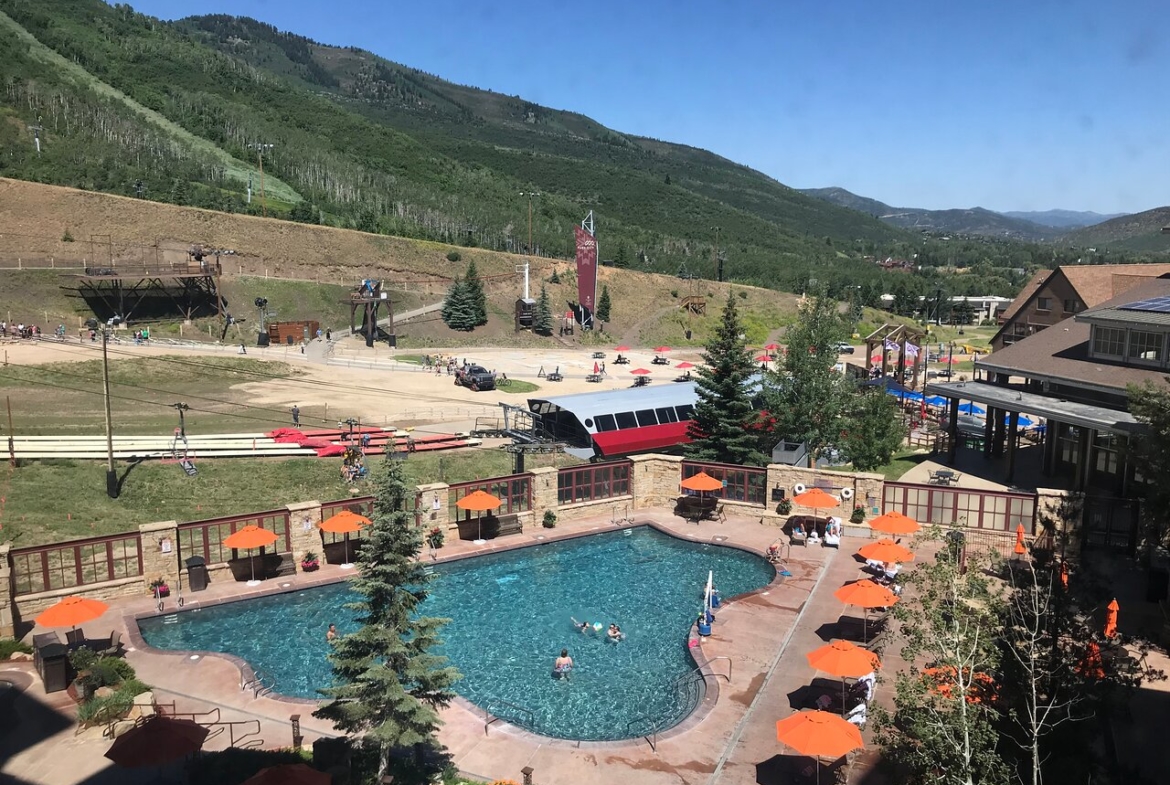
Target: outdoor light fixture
x=527 y=772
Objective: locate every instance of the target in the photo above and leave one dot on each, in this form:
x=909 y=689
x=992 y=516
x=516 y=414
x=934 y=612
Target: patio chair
x=108 y=648
x=75 y=639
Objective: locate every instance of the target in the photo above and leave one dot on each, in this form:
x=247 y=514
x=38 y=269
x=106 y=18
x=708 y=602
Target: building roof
x=1097 y=283
x=1012 y=400
x=1061 y=352
x=589 y=405
x=1030 y=288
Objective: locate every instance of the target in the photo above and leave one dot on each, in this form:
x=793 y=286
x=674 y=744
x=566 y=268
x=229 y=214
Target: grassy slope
x=235 y=169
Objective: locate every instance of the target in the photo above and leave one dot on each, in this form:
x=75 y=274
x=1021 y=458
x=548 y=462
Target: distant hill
x=975 y=221
x=1062 y=219
x=130 y=105
x=1137 y=232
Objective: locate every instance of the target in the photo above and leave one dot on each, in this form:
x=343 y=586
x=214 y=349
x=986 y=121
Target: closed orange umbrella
x=71 y=611
x=1020 y=548
x=701 y=482
x=1064 y=574
x=866 y=594
x=1092 y=665
x=247 y=538
x=819 y=734
x=886 y=550
x=894 y=522
x=844 y=659
x=345 y=522
x=479 y=501
x=1111 y=619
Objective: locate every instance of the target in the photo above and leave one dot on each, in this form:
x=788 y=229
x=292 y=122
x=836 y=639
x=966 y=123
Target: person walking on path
x=296 y=413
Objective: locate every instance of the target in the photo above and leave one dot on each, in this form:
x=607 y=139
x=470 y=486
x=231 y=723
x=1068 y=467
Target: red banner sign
x=586 y=270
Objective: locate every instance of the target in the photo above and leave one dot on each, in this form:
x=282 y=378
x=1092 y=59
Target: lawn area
x=65 y=499
x=516 y=386
x=901 y=463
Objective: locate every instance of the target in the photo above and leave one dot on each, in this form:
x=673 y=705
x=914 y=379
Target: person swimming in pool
x=585 y=627
x=331 y=633
x=563 y=664
x=615 y=633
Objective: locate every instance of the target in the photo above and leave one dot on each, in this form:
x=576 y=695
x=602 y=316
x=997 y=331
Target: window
x=1043 y=303
x=666 y=415
x=646 y=417
x=1145 y=346
x=606 y=422
x=1108 y=341
x=626 y=420
x=684 y=412
x=600 y=481
x=1106 y=448
x=1072 y=306
x=740 y=483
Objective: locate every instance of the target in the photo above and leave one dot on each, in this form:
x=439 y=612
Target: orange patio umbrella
x=844 y=659
x=684 y=365
x=894 y=522
x=816 y=499
x=866 y=594
x=771 y=347
x=661 y=349
x=701 y=482
x=289 y=774
x=345 y=522
x=640 y=371
x=1020 y=548
x=249 y=538
x=1092 y=665
x=763 y=358
x=479 y=501
x=1111 y=619
x=819 y=734
x=71 y=611
x=886 y=550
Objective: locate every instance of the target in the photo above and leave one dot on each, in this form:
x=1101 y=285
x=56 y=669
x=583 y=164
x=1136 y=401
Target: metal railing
x=260 y=683
x=489 y=716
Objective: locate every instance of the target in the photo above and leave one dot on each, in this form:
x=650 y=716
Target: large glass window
x=599 y=481
x=666 y=414
x=740 y=483
x=626 y=420
x=684 y=412
x=646 y=417
x=606 y=422
x=1108 y=341
x=1145 y=346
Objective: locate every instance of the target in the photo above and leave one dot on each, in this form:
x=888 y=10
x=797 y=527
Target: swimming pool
x=510 y=617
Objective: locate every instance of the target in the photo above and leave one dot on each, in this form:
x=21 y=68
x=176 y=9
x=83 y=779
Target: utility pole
x=260 y=147
x=111 y=475
x=528 y=260
x=36 y=129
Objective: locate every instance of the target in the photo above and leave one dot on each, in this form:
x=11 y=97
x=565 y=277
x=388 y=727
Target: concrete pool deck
x=765 y=634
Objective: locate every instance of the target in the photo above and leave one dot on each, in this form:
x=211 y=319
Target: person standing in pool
x=615 y=633
x=563 y=664
x=331 y=633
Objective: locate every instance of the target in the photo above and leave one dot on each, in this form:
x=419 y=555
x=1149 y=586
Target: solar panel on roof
x=1152 y=305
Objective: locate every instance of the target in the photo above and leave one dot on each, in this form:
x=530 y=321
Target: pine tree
x=719 y=429
x=543 y=320
x=603 y=305
x=458 y=312
x=873 y=430
x=622 y=257
x=554 y=278
x=476 y=296
x=390 y=684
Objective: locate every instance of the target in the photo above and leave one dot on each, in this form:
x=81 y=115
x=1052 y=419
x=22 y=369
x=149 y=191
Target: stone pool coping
x=706 y=704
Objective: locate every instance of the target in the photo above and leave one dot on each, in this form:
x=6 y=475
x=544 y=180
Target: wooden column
x=1013 y=438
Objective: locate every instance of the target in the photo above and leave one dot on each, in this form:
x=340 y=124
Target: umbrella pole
x=479 y=540
x=252 y=563
x=347 y=564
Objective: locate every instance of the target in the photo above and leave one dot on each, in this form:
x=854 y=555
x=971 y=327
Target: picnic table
x=593 y=377
x=686 y=377
x=599 y=355
x=944 y=477
x=621 y=360
x=698 y=508
x=658 y=360
x=641 y=381
x=555 y=376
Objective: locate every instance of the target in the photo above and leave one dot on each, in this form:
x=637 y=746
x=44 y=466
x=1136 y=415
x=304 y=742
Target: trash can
x=197 y=573
x=53 y=665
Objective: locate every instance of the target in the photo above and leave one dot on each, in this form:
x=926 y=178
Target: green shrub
x=550 y=519
x=110 y=672
x=67 y=237
x=102 y=709
x=742 y=294
x=9 y=646
x=83 y=659
x=453 y=256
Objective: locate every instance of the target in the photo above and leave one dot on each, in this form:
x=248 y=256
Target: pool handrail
x=713 y=674
x=489 y=717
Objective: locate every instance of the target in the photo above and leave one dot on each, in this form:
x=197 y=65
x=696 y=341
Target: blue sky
x=1007 y=105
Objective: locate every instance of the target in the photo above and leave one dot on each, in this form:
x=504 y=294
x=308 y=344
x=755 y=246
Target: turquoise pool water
x=510 y=617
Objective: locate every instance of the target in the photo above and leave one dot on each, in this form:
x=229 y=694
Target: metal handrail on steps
x=489 y=717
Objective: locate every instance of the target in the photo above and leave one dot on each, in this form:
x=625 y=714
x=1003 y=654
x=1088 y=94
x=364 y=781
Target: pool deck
x=730 y=741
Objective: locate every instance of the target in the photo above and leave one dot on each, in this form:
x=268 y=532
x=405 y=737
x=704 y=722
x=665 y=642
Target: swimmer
x=331 y=633
x=615 y=633
x=563 y=664
x=584 y=626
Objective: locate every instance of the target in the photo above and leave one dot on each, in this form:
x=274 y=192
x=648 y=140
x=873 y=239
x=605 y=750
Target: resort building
x=1052 y=296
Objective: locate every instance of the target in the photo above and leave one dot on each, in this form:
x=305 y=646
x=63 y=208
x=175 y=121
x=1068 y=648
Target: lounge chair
x=109 y=648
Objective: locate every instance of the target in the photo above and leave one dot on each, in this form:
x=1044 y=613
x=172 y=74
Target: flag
x=911 y=350
x=890 y=346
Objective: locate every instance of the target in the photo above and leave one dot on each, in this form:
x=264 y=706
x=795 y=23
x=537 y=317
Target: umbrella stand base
x=479 y=542
x=347 y=566
x=253 y=582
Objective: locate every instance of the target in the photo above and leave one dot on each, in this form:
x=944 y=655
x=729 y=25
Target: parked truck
x=475 y=377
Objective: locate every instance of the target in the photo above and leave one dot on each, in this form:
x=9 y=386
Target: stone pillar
x=160 y=552
x=7 y=623
x=303 y=534
x=430 y=514
x=544 y=493
x=654 y=480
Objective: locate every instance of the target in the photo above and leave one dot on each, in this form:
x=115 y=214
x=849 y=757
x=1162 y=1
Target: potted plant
x=309 y=562
x=83 y=660
x=858 y=515
x=784 y=507
x=436 y=537
x=550 y=519
x=159 y=587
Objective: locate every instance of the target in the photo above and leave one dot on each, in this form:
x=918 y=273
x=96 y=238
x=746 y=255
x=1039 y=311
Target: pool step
x=171 y=618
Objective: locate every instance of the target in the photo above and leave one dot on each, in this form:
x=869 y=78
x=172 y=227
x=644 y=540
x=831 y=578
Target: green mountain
x=975 y=221
x=1141 y=232
x=128 y=104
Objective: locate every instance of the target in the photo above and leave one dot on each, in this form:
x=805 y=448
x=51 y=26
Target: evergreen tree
x=390 y=684
x=475 y=294
x=621 y=259
x=542 y=321
x=719 y=428
x=808 y=397
x=554 y=278
x=603 y=305
x=873 y=431
x=458 y=312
